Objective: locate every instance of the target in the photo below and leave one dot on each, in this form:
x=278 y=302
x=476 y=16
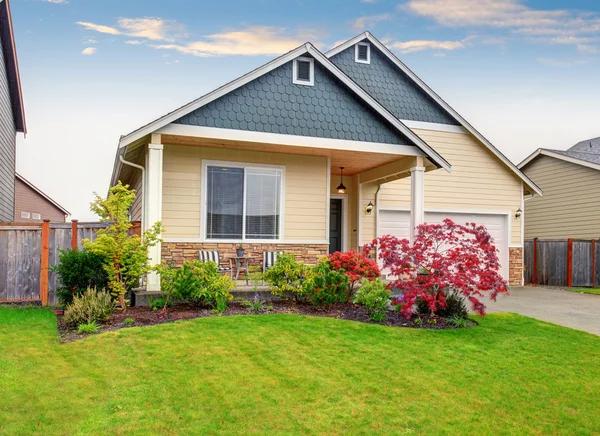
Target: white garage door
x=396 y=223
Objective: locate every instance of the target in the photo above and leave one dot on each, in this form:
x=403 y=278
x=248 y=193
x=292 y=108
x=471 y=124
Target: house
x=571 y=183
x=313 y=153
x=12 y=115
x=32 y=205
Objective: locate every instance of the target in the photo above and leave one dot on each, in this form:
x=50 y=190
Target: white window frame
x=295 y=79
x=33 y=216
x=362 y=61
x=245 y=166
x=26 y=215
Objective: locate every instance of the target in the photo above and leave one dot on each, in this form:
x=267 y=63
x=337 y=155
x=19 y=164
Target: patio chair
x=269 y=259
x=213 y=256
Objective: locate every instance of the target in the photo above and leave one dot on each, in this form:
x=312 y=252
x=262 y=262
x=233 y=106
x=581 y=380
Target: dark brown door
x=335 y=225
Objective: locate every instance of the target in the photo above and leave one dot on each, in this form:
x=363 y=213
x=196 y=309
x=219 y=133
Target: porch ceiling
x=354 y=162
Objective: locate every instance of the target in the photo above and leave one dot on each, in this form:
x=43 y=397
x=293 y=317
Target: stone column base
x=515 y=266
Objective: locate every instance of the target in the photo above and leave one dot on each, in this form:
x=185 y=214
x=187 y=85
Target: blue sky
x=524 y=73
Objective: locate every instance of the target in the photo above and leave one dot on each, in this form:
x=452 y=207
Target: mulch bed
x=144 y=316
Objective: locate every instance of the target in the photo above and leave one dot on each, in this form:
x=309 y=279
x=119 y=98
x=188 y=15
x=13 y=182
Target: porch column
x=154 y=175
x=417 y=196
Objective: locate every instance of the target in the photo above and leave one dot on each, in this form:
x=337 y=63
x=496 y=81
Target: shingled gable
x=354 y=97
x=417 y=96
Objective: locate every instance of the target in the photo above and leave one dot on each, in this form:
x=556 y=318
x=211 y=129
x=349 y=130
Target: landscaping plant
x=458 y=259
x=375 y=297
x=126 y=256
x=77 y=271
x=324 y=286
x=88 y=328
x=91 y=306
x=286 y=277
x=355 y=265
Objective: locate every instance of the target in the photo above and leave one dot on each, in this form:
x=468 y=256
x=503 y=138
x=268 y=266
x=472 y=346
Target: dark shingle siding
x=7 y=148
x=391 y=87
x=272 y=103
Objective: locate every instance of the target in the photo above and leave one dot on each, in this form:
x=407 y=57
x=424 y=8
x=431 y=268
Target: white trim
x=522 y=217
x=199 y=240
x=436 y=98
x=417 y=200
x=515 y=246
x=291 y=140
x=344 y=198
x=436 y=127
x=245 y=166
x=328 y=197
x=311 y=72
x=359 y=219
x=559 y=156
x=356 y=58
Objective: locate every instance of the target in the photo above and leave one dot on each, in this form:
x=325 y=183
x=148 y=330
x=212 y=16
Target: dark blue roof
x=391 y=87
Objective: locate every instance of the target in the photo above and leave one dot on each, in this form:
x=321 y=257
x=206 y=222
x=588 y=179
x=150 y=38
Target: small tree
x=355 y=265
x=444 y=258
x=126 y=255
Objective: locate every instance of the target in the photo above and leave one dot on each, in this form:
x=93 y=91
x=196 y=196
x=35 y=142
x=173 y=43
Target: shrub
x=355 y=265
x=157 y=303
x=256 y=305
x=89 y=307
x=88 y=328
x=129 y=321
x=196 y=282
x=325 y=286
x=453 y=305
x=458 y=322
x=375 y=297
x=77 y=271
x=456 y=258
x=286 y=277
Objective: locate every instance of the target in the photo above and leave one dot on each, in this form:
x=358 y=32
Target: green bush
x=286 y=277
x=129 y=321
x=455 y=307
x=324 y=286
x=198 y=283
x=88 y=328
x=92 y=306
x=375 y=297
x=77 y=271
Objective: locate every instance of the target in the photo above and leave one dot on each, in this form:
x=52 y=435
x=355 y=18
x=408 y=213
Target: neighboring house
x=12 y=115
x=259 y=161
x=32 y=205
x=570 y=179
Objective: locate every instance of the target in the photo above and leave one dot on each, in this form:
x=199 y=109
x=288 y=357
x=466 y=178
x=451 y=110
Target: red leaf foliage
x=355 y=265
x=444 y=257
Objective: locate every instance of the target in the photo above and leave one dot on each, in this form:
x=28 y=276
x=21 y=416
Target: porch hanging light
x=341 y=189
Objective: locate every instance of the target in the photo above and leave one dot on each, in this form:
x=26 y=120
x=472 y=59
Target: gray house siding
x=391 y=87
x=7 y=147
x=273 y=103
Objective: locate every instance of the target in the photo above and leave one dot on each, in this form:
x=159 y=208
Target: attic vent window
x=362 y=53
x=304 y=71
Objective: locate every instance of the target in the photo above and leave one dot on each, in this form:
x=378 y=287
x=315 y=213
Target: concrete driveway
x=569 y=309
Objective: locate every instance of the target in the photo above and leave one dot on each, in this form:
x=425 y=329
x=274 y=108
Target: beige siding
x=569 y=207
x=305 y=205
x=478 y=182
x=136 y=183
x=28 y=200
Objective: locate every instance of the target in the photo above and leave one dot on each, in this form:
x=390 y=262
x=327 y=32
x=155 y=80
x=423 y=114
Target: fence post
x=44 y=258
x=534 y=282
x=570 y=262
x=74 y=234
x=593 y=263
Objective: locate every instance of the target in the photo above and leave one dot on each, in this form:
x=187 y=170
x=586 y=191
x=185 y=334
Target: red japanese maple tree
x=355 y=265
x=444 y=258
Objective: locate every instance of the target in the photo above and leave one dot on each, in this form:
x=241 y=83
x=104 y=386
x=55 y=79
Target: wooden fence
x=27 y=251
x=566 y=262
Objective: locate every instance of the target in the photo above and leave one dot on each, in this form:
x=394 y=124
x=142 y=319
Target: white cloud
x=253 y=41
x=57 y=1
x=418 y=45
x=89 y=51
x=369 y=1
x=363 y=22
x=152 y=28
x=99 y=28
x=90 y=41
x=561 y=63
x=134 y=42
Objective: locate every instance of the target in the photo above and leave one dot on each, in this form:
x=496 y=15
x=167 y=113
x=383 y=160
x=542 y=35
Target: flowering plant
x=355 y=265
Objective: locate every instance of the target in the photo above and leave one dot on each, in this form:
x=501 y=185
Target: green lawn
x=594 y=291
x=286 y=374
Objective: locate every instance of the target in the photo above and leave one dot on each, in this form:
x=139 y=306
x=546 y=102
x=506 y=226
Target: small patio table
x=239 y=265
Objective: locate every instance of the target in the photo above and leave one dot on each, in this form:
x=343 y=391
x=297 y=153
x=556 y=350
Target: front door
x=335 y=225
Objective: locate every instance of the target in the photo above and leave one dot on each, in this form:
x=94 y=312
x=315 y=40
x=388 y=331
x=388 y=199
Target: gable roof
x=382 y=48
x=12 y=66
x=38 y=191
x=585 y=153
x=319 y=57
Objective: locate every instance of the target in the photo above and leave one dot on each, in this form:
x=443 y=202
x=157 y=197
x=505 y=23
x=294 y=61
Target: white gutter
x=131 y=164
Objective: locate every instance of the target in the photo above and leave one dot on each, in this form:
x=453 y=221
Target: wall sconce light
x=369 y=208
x=341 y=189
x=518 y=213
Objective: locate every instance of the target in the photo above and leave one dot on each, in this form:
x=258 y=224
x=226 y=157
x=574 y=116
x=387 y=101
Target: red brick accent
x=178 y=252
x=515 y=266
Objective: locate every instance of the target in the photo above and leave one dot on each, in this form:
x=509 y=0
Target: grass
x=286 y=374
x=593 y=291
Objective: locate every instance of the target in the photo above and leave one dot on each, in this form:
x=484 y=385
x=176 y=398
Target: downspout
x=377 y=220
x=132 y=164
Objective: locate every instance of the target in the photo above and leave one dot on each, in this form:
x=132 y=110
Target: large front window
x=242 y=202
